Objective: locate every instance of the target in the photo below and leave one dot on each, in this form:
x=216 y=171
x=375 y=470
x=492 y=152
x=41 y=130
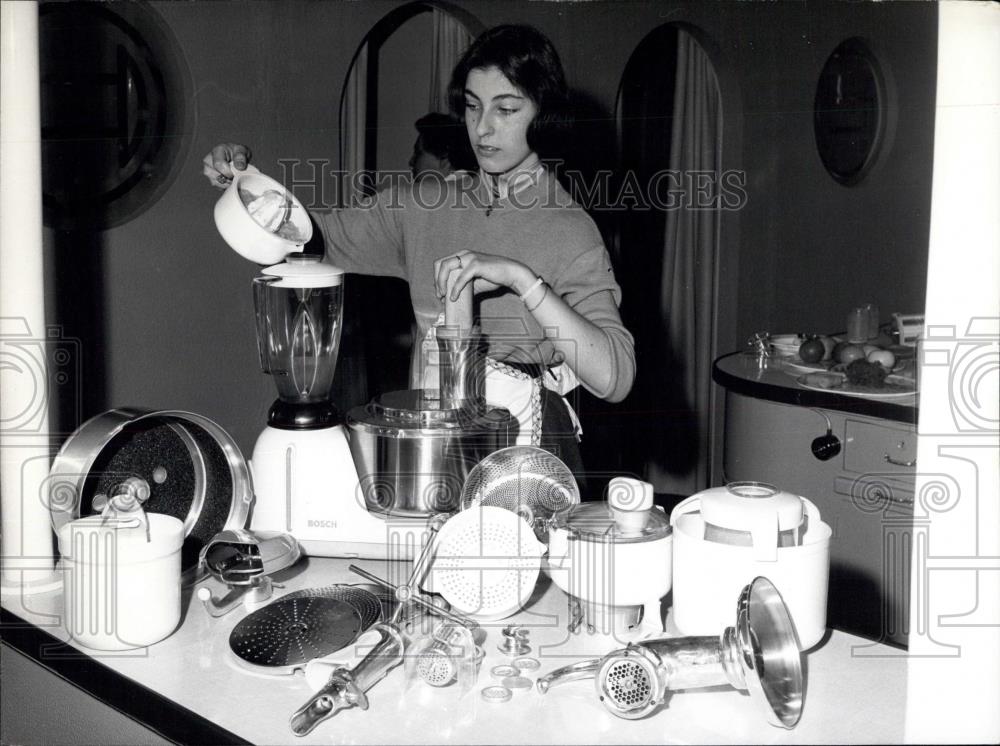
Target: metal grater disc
x=368 y=601
x=290 y=632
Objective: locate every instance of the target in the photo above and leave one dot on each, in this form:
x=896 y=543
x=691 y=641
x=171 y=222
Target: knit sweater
x=403 y=230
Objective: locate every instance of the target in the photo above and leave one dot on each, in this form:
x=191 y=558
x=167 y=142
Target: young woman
x=545 y=293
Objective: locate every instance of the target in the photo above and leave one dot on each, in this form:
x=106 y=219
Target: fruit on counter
x=812 y=350
x=828 y=344
x=885 y=358
x=861 y=372
x=847 y=352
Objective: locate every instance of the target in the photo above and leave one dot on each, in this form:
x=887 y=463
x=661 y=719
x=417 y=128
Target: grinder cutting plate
x=287 y=634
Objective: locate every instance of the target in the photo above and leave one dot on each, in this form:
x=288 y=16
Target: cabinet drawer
x=879 y=449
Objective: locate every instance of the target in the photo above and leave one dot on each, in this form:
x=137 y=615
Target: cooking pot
x=413 y=452
x=278 y=227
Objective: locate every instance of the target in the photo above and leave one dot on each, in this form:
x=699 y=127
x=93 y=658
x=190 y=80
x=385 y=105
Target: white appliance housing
x=708 y=573
x=306 y=484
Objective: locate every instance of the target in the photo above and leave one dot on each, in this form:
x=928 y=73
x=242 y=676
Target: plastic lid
x=598 y=521
x=743 y=506
x=305 y=271
x=418 y=410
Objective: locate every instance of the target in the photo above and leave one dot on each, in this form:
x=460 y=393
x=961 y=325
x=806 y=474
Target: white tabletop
x=855 y=689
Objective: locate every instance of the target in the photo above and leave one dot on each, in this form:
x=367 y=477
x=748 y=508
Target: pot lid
x=305 y=271
x=627 y=517
x=421 y=409
x=743 y=506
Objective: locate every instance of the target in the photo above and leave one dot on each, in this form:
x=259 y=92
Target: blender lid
x=740 y=506
x=596 y=521
x=305 y=271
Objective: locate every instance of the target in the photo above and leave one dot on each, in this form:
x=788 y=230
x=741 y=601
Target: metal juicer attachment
x=760 y=653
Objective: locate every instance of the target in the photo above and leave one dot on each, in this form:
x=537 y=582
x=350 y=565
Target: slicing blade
x=288 y=633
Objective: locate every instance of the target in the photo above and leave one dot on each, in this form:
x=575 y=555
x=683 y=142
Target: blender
x=305 y=480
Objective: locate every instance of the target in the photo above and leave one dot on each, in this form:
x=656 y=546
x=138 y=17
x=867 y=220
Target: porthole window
x=849 y=111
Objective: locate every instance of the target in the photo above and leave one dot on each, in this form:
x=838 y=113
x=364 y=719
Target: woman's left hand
x=488 y=270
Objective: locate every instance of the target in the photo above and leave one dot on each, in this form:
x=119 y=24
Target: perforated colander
x=522 y=477
x=486 y=562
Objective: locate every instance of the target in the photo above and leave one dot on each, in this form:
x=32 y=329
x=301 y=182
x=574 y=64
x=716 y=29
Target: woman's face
x=497 y=115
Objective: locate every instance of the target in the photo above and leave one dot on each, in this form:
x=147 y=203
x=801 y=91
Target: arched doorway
x=670 y=127
x=399 y=72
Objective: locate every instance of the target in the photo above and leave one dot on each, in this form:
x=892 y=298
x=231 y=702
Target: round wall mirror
x=848 y=112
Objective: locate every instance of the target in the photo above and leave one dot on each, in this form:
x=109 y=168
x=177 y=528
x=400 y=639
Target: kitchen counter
x=189 y=689
x=776 y=380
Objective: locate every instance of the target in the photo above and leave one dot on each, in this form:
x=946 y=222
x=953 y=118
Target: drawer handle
x=890 y=460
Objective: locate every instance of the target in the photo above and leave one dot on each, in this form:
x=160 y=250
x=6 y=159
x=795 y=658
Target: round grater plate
x=290 y=632
x=368 y=601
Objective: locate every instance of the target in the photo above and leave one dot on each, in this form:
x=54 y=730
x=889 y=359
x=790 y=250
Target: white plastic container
x=244 y=234
x=121 y=591
x=711 y=566
x=614 y=555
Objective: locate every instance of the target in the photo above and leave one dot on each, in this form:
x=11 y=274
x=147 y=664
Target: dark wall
x=177 y=328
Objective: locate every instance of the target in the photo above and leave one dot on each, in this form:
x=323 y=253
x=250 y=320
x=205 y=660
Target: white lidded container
x=726 y=536
x=121 y=591
x=614 y=557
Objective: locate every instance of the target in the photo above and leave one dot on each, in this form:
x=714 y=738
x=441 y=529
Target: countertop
x=190 y=683
x=776 y=379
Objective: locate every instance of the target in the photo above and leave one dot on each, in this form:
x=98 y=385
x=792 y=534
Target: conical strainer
x=486 y=562
x=522 y=479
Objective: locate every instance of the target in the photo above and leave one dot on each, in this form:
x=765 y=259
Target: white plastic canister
x=709 y=572
x=121 y=591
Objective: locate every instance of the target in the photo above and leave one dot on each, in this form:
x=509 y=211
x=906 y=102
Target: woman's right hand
x=223 y=160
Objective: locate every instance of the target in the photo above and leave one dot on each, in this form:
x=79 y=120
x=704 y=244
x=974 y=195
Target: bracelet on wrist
x=531 y=289
x=545 y=292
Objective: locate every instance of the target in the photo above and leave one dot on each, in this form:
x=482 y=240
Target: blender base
x=306 y=484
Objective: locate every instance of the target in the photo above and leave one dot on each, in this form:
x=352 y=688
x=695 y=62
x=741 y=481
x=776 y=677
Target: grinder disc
x=287 y=634
x=369 y=601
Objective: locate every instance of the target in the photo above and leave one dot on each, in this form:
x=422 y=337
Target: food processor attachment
x=758 y=654
x=260 y=219
x=414 y=449
x=244 y=562
x=726 y=536
x=614 y=560
x=526 y=480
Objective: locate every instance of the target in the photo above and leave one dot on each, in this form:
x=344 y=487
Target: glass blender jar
x=304 y=475
x=299 y=306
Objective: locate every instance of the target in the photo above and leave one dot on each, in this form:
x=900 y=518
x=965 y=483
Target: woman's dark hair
x=527 y=59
